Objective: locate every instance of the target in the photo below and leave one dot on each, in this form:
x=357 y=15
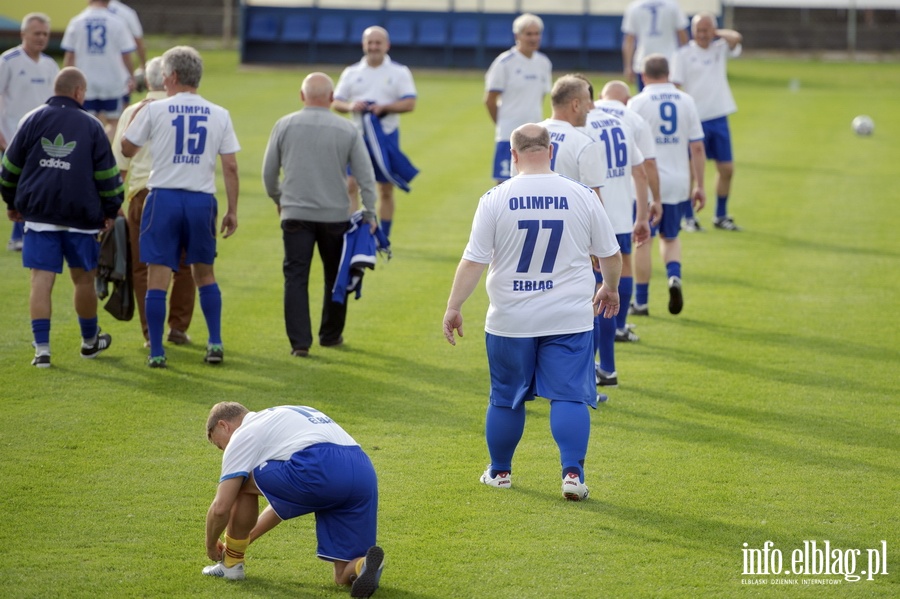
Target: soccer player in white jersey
x=624 y=173
x=131 y=18
x=700 y=68
x=515 y=86
x=673 y=120
x=302 y=462
x=613 y=97
x=26 y=82
x=650 y=27
x=100 y=44
x=185 y=133
x=536 y=234
x=385 y=88
x=575 y=155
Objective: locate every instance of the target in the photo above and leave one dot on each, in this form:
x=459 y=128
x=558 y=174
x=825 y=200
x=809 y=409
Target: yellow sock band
x=359 y=565
x=234 y=551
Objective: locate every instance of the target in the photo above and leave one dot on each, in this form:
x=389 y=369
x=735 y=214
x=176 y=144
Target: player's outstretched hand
x=229 y=225
x=699 y=199
x=453 y=321
x=606 y=301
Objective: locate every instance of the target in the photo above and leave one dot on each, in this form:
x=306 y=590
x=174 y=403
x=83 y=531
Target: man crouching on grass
x=302 y=462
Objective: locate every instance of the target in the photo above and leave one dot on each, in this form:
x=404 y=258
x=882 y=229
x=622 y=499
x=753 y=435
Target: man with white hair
x=137 y=170
x=186 y=133
x=26 y=82
x=700 y=68
x=377 y=85
x=515 y=86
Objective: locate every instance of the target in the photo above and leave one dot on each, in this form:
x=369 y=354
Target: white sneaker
x=235 y=572
x=573 y=489
x=503 y=480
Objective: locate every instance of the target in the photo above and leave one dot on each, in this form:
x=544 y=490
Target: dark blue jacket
x=59 y=168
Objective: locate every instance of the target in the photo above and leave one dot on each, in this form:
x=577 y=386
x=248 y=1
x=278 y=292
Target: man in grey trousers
x=305 y=172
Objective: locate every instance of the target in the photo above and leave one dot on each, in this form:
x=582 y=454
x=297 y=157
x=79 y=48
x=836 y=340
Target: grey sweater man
x=312 y=148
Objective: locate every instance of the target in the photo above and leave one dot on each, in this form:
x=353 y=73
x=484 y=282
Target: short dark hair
x=656 y=67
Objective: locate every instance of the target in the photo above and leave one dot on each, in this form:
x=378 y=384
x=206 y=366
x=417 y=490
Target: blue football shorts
x=45 y=250
x=174 y=220
x=338 y=484
x=717 y=139
x=670 y=224
x=111 y=108
x=557 y=367
x=502 y=161
x=624 y=241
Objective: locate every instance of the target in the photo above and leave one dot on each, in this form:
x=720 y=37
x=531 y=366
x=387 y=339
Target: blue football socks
x=570 y=423
x=607 y=344
x=687 y=209
x=155 y=309
x=40 y=328
x=211 y=305
x=626 y=287
x=386 y=227
x=722 y=206
x=641 y=294
x=673 y=269
x=503 y=430
x=89 y=328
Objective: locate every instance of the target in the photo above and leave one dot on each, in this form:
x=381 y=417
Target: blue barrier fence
x=425 y=39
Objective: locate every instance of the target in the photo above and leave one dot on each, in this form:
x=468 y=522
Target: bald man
x=305 y=174
x=65 y=192
x=385 y=88
x=538 y=231
x=613 y=99
x=700 y=69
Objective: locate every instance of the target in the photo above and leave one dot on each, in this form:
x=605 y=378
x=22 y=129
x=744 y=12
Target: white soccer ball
x=863 y=125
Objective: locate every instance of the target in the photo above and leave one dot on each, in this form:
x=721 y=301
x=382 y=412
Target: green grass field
x=766 y=411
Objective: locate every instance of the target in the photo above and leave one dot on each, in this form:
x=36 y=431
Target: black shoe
x=156 y=361
x=605 y=380
x=101 y=342
x=41 y=360
x=367 y=582
x=676 y=299
x=214 y=354
x=626 y=335
x=335 y=343
x=726 y=223
x=638 y=310
x=300 y=352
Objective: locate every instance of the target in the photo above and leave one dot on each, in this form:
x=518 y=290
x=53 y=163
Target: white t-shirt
x=636 y=127
x=99 y=39
x=387 y=83
x=703 y=73
x=277 y=434
x=522 y=82
x=575 y=155
x=673 y=120
x=655 y=24
x=537 y=232
x=186 y=133
x=620 y=154
x=25 y=84
x=129 y=15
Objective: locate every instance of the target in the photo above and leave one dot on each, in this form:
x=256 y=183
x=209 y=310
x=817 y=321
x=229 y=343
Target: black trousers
x=301 y=237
